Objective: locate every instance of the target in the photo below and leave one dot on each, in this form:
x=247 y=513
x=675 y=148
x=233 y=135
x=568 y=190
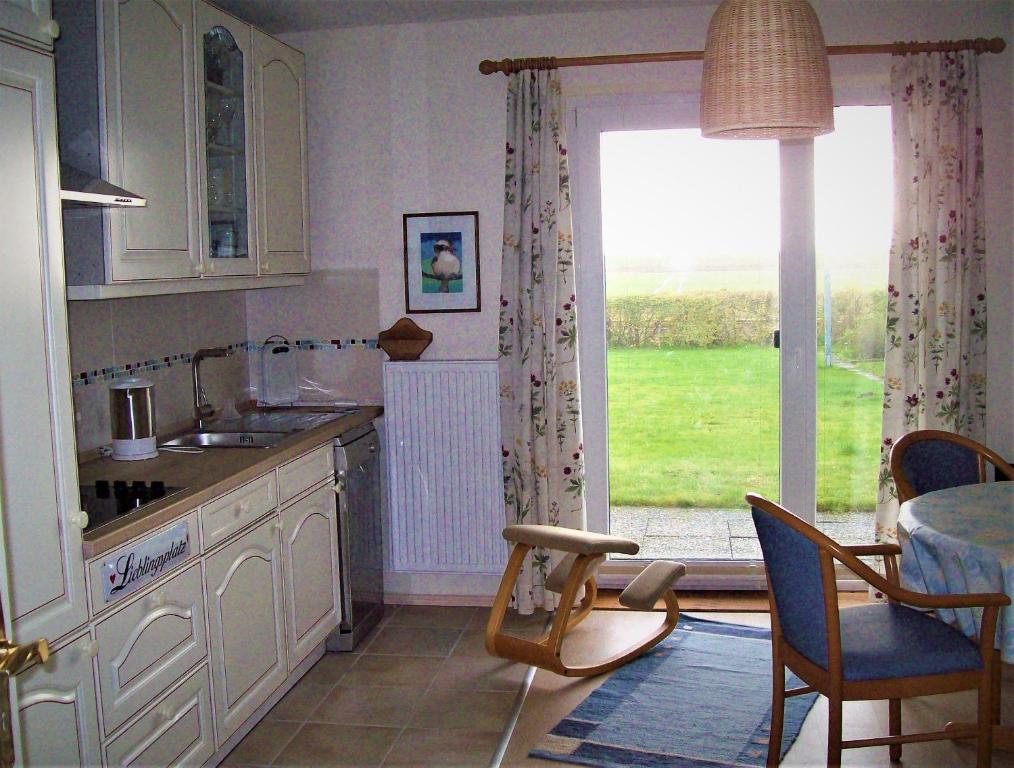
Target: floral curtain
x=935 y=360
x=539 y=385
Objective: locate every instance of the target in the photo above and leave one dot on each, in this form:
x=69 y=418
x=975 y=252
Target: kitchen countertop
x=205 y=475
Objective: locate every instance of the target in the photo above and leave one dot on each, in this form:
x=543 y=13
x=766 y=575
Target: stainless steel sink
x=227 y=440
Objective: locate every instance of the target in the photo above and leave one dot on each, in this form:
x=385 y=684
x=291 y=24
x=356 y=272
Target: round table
x=960 y=540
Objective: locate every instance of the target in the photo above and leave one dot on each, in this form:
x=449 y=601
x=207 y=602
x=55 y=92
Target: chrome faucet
x=202 y=408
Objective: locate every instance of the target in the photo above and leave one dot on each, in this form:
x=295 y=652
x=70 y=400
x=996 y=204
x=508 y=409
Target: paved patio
x=718 y=534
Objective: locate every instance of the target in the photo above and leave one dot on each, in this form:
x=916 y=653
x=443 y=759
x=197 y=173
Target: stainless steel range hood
x=79 y=187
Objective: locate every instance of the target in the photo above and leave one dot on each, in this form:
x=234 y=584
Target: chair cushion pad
x=886 y=640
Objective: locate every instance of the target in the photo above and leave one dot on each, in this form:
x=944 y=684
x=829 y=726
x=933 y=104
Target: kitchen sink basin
x=226 y=440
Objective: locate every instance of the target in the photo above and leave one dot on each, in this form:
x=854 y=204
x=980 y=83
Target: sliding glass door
x=702 y=347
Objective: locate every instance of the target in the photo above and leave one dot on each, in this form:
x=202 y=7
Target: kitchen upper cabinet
x=244 y=583
x=150 y=120
x=283 y=230
x=158 y=97
x=310 y=560
x=28 y=22
x=39 y=498
x=56 y=702
x=225 y=138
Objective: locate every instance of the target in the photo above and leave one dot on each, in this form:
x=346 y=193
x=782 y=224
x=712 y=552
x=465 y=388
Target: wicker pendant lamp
x=766 y=74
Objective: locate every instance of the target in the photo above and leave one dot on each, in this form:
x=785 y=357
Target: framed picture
x=441 y=262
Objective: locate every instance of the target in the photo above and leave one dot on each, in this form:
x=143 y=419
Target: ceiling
x=277 y=16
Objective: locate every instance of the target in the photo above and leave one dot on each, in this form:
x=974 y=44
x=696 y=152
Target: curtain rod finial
x=488 y=67
x=996 y=45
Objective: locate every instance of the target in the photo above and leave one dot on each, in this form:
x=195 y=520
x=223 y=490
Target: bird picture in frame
x=441 y=261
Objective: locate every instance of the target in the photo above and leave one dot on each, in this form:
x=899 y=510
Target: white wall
x=400 y=120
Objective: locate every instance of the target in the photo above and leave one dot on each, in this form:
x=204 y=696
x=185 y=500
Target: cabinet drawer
x=119 y=565
x=227 y=514
x=147 y=645
x=177 y=731
x=305 y=472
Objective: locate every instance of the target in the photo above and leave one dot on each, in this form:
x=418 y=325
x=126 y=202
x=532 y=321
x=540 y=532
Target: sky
x=675 y=202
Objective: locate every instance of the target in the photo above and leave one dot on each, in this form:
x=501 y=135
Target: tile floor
x=421 y=691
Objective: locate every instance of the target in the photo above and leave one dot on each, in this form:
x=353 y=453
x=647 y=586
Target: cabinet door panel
x=150 y=113
x=27 y=21
x=279 y=116
x=247 y=630
x=310 y=555
x=225 y=140
x=147 y=645
x=177 y=731
x=59 y=718
x=38 y=461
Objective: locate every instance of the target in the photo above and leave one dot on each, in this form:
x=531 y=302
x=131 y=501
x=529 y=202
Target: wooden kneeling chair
x=586 y=551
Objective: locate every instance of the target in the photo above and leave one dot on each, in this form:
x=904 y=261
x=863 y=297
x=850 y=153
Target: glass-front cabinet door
x=226 y=137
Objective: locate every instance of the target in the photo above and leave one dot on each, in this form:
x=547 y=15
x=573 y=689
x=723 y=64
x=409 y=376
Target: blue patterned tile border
x=84 y=378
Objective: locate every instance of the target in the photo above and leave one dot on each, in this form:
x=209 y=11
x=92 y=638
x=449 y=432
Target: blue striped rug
x=701 y=699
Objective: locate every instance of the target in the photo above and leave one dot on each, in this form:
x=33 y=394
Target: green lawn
x=699 y=427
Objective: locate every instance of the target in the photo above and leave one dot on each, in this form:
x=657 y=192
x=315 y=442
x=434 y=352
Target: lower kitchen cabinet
x=177 y=731
x=149 y=644
x=246 y=620
x=310 y=559
x=56 y=702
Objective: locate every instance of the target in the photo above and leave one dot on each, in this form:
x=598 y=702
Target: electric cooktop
x=107 y=500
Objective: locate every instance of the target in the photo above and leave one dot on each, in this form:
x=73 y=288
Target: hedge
x=736 y=318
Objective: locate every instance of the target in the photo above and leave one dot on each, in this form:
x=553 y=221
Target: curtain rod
x=507 y=66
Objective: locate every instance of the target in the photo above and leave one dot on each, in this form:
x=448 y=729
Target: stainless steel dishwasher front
x=360 y=535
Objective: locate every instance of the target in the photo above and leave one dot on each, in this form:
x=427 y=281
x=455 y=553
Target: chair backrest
x=792 y=559
x=929 y=460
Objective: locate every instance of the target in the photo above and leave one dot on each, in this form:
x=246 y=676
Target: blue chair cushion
x=887 y=641
x=931 y=465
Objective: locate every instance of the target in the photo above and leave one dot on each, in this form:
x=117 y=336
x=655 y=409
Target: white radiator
x=445 y=474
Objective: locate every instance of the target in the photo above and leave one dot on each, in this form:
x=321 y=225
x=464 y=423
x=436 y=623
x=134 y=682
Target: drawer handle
x=277 y=526
x=93 y=648
x=165 y=713
x=80 y=519
x=243 y=507
x=339 y=487
x=158 y=600
x=50 y=27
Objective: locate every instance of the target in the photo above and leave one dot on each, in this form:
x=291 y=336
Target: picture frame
x=441 y=261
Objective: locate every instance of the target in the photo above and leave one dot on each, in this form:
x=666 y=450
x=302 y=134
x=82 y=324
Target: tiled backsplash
x=156 y=336
x=153 y=336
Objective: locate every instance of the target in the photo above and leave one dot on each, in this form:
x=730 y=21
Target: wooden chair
x=867 y=652
x=586 y=551
x=930 y=459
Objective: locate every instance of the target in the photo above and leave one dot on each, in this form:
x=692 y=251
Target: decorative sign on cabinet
x=163 y=95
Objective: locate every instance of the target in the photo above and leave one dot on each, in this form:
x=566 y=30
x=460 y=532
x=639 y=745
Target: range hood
x=82 y=188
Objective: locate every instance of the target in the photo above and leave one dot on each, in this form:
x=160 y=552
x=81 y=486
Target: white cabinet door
x=149 y=644
x=28 y=21
x=59 y=718
x=247 y=632
x=225 y=141
x=151 y=137
x=38 y=461
x=280 y=135
x=310 y=556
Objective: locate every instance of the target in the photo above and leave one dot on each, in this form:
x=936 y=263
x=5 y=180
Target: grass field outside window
x=698 y=427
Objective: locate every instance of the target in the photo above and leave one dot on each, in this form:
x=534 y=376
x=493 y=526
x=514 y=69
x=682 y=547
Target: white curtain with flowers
x=539 y=384
x=935 y=360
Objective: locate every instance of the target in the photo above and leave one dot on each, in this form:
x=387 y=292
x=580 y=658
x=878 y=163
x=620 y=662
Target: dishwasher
x=360 y=536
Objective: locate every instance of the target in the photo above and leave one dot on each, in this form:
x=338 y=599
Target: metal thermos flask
x=132 y=412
